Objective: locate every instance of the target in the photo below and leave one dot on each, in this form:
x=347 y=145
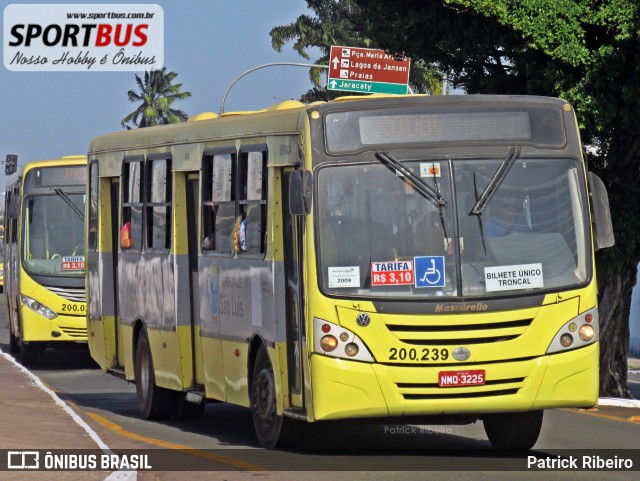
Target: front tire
x=154 y=402
x=14 y=346
x=513 y=431
x=29 y=353
x=271 y=429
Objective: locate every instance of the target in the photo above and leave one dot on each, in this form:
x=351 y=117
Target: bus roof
x=281 y=118
x=64 y=160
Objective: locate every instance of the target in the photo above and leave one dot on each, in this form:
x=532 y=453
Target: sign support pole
x=294 y=64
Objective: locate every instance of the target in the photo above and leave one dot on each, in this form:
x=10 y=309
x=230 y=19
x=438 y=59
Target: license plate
x=461 y=378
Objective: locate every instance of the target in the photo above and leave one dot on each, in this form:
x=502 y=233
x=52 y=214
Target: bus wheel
x=189 y=411
x=13 y=341
x=29 y=354
x=272 y=430
x=154 y=402
x=516 y=431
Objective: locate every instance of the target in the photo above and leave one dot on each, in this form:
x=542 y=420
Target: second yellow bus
x=44 y=292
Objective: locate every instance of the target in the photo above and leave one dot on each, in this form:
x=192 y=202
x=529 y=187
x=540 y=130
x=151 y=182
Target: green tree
x=156 y=95
x=333 y=24
x=585 y=52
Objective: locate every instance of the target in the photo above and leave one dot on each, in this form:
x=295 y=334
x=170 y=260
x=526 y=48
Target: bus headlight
x=351 y=349
x=566 y=340
x=336 y=341
x=38 y=308
x=328 y=343
x=585 y=324
x=586 y=332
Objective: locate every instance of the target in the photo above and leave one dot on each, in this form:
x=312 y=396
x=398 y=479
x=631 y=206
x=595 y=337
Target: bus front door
x=292 y=238
x=115 y=249
x=193 y=201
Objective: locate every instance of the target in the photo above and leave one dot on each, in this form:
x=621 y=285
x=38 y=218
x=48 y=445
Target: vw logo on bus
x=461 y=353
x=363 y=319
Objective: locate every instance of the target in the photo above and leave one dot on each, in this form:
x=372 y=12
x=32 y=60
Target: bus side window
x=158 y=203
x=253 y=202
x=131 y=204
x=218 y=201
x=93 y=205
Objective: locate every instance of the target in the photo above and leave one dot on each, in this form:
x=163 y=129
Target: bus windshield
x=379 y=236
x=53 y=234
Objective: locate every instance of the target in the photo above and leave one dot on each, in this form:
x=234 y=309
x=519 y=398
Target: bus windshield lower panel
x=379 y=237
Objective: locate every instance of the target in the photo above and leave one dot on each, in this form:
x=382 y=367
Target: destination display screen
x=59 y=176
x=444 y=127
x=352 y=131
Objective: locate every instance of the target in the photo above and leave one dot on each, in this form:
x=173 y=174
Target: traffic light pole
x=10 y=164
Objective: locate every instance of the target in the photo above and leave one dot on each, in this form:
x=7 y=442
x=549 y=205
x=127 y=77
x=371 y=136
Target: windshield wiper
x=408 y=176
x=69 y=202
x=501 y=173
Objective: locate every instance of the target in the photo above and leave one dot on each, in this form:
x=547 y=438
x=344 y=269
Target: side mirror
x=300 y=182
x=602 y=226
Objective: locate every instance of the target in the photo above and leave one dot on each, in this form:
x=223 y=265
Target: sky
x=208 y=43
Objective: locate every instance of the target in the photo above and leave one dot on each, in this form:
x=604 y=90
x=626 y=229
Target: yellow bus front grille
x=450 y=334
x=76 y=332
x=419 y=391
x=70 y=293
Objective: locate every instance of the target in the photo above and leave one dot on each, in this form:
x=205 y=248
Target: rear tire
x=154 y=402
x=514 y=431
x=271 y=429
x=189 y=411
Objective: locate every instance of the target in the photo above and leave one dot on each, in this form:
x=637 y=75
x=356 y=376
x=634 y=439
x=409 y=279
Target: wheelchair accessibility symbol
x=429 y=271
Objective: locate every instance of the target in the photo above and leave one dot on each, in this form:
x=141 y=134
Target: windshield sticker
x=75 y=263
x=392 y=273
x=507 y=278
x=448 y=245
x=429 y=271
x=348 y=276
x=431 y=169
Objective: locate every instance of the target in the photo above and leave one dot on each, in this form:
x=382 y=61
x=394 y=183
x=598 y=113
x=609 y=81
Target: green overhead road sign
x=367 y=70
x=367 y=87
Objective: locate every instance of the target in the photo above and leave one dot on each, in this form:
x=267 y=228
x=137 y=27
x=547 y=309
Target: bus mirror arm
x=300 y=182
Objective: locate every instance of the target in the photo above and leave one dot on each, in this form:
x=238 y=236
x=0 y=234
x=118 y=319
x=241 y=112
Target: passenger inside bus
x=239 y=233
x=126 y=240
x=209 y=242
x=507 y=214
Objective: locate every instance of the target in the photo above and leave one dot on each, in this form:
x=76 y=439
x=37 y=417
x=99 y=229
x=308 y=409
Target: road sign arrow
x=332 y=84
x=335 y=62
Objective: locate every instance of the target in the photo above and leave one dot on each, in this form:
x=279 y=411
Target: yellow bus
x=44 y=292
x=2 y=254
x=351 y=259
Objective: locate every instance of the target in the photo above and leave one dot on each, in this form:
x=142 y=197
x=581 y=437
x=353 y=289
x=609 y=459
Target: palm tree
x=156 y=94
